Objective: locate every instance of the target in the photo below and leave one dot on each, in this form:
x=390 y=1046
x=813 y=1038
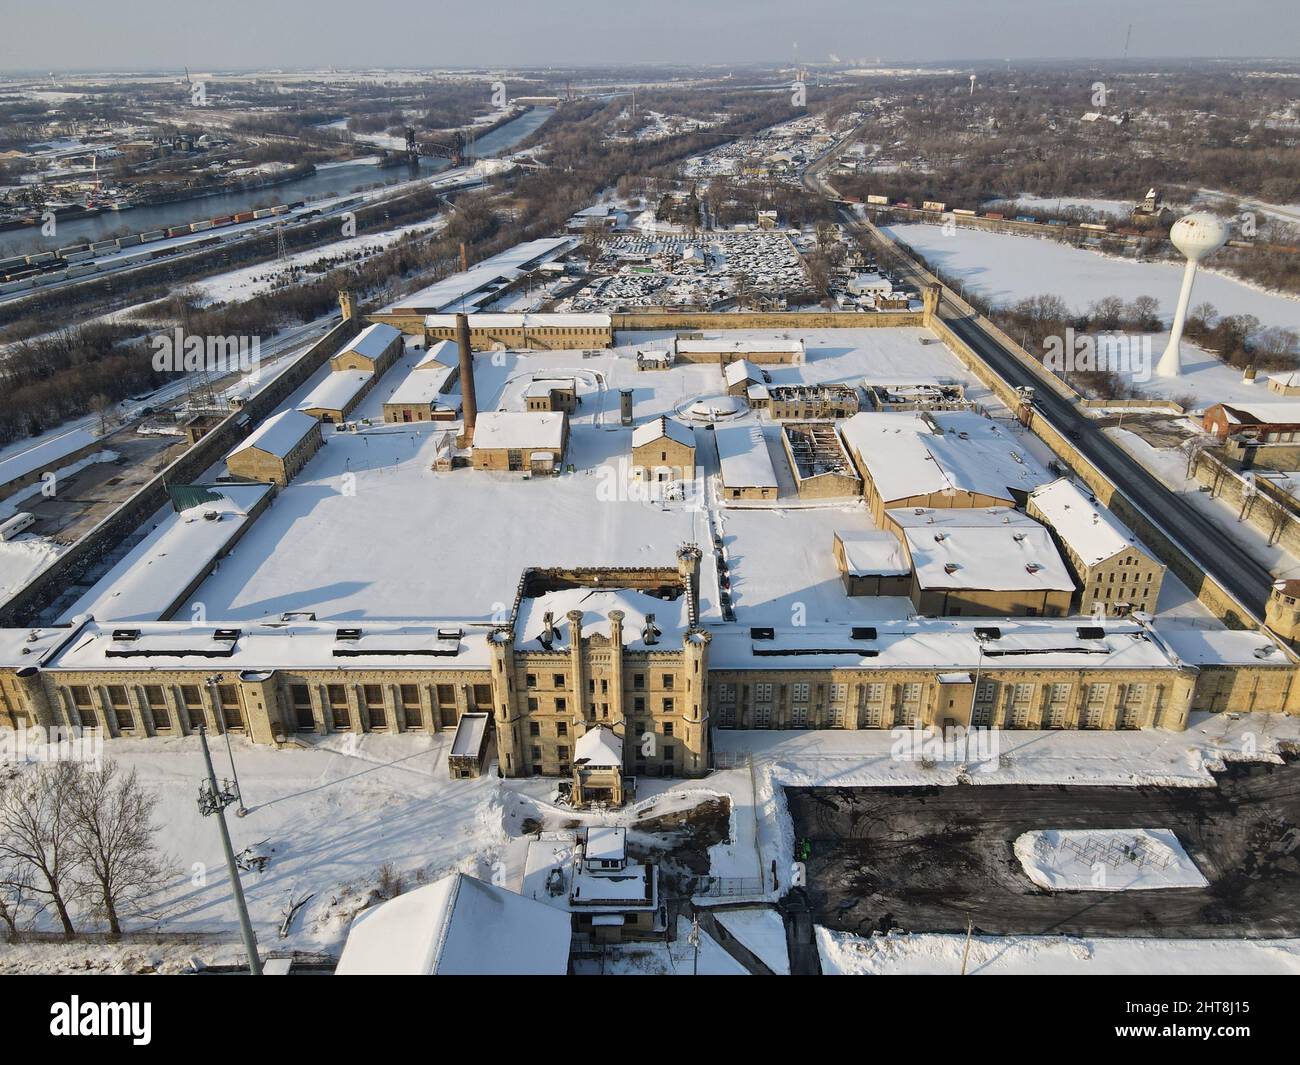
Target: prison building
x=520 y=441
x=423 y=397
x=747 y=470
x=277 y=449
x=197 y=426
x=551 y=394
x=822 y=469
x=947 y=459
x=663 y=450
x=800 y=402
x=1022 y=673
x=1117 y=573
x=528 y=332
x=916 y=396
x=872 y=563
x=722 y=350
x=994 y=563
x=1285 y=384
x=654 y=359
x=740 y=376
x=337 y=395
x=375 y=348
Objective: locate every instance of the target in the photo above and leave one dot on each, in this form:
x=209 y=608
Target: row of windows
x=561 y=681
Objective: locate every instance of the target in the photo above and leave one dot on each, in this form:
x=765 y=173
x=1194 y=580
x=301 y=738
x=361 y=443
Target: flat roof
x=540 y=320
x=44 y=454
x=873 y=553
x=506 y=266
x=422 y=386
x=519 y=430
x=987 y=557
x=743 y=454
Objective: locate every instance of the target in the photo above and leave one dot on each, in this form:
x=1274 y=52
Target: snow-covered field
x=898 y=954
x=1004 y=267
x=762 y=931
x=1135 y=859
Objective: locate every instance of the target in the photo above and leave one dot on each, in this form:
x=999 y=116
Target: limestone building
x=337 y=395
x=277 y=449
x=663 y=450
x=375 y=349
x=520 y=441
x=1116 y=572
x=537 y=332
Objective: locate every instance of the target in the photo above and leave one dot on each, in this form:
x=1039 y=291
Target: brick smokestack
x=468 y=400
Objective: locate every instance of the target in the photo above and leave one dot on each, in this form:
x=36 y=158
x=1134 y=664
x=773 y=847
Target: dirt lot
x=924 y=859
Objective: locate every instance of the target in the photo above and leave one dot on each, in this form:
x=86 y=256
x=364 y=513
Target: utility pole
x=213 y=799
x=965 y=953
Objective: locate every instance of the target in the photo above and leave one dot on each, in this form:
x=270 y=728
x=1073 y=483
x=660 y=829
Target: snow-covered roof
x=912 y=454
x=147 y=583
x=661 y=427
x=373 y=341
x=459 y=289
x=993 y=557
x=944 y=644
x=599 y=748
x=337 y=391
x=421 y=386
x=740 y=370
x=468 y=740
x=518 y=321
x=444 y=353
x=543 y=387
x=1083 y=524
x=751 y=345
x=872 y=553
x=672 y=617
x=746 y=461
x=519 y=429
x=279 y=434
x=959 y=517
x=44 y=455
x=276 y=643
x=606 y=843
x=1281 y=412
x=459 y=926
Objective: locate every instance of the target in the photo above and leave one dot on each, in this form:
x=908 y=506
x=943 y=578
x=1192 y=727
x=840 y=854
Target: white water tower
x=1196 y=236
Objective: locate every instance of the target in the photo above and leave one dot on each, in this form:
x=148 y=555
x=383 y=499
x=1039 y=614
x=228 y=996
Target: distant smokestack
x=464 y=257
x=469 y=402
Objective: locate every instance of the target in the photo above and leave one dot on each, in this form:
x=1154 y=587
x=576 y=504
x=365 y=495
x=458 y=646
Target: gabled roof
x=373 y=341
x=279 y=434
x=659 y=428
x=1083 y=524
x=459 y=926
x=740 y=370
x=599 y=748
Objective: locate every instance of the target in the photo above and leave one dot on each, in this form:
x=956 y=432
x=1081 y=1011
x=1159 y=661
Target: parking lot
x=927 y=859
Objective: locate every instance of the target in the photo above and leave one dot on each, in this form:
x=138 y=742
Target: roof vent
x=762 y=634
x=227 y=634
x=940 y=537
x=950 y=567
x=988 y=632
x=651 y=633
x=450 y=634
x=1032 y=567
x=864 y=632
x=126 y=634
x=1265 y=652
x=1090 y=632
x=347 y=634
x=1018 y=537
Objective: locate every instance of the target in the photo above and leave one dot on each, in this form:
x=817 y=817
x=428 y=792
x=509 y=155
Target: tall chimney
x=468 y=400
x=625 y=405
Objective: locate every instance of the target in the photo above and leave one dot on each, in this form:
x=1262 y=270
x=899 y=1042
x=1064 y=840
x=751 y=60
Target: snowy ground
x=1005 y=267
x=1136 y=859
x=377 y=487
x=677 y=958
x=844 y=954
x=762 y=931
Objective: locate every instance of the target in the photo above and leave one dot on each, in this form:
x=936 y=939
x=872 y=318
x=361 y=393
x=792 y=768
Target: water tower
x=1196 y=236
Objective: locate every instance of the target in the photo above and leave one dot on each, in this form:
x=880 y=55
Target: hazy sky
x=221 y=34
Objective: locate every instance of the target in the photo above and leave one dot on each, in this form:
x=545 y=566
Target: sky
x=57 y=35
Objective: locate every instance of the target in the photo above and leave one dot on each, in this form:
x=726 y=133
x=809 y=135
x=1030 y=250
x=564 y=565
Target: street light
x=241 y=810
x=213 y=799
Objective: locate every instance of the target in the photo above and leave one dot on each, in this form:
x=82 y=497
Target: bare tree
x=35 y=833
x=113 y=841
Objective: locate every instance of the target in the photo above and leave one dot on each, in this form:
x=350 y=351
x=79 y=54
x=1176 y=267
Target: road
x=1213 y=547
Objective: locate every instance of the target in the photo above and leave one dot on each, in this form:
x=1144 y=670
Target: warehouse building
x=526 y=332
x=663 y=450
x=375 y=348
x=747 y=470
x=872 y=563
x=277 y=449
x=723 y=350
x=992 y=563
x=1117 y=572
x=337 y=395
x=520 y=441
x=946 y=459
x=552 y=394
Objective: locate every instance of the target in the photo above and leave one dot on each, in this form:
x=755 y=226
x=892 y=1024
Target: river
x=330 y=181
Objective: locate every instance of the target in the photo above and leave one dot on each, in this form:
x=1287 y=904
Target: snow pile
x=897 y=954
x=1136 y=859
x=762 y=932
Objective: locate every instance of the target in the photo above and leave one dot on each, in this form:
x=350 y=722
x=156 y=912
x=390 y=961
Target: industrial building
x=821 y=468
x=536 y=332
x=747 y=470
x=520 y=441
x=337 y=395
x=1117 y=573
x=277 y=449
x=375 y=349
